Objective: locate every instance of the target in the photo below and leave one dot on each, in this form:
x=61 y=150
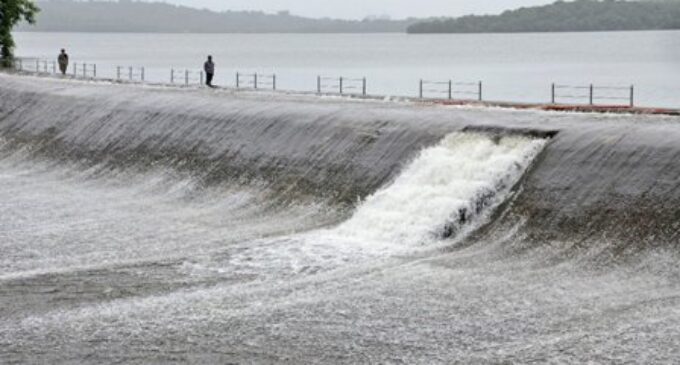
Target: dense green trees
x=12 y=12
x=561 y=16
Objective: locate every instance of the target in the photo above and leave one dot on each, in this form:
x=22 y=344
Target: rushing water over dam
x=152 y=225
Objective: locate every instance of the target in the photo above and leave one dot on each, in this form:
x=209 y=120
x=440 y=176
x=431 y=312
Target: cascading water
x=147 y=225
x=446 y=187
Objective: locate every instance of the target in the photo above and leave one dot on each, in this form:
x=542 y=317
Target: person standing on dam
x=62 y=59
x=209 y=68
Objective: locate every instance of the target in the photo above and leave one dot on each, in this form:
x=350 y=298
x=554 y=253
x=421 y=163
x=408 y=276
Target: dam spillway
x=156 y=225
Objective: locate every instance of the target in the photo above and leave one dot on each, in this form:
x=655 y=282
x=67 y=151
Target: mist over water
x=513 y=67
x=147 y=224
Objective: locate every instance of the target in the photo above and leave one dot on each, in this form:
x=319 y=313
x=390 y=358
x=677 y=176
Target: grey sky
x=361 y=8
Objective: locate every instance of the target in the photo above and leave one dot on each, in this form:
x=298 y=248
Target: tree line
x=153 y=17
x=562 y=16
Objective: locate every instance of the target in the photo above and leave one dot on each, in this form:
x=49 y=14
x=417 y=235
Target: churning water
x=153 y=225
x=443 y=189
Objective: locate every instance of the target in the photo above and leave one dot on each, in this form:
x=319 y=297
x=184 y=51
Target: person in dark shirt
x=62 y=59
x=209 y=68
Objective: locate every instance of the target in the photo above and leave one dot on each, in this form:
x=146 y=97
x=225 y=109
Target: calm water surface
x=513 y=67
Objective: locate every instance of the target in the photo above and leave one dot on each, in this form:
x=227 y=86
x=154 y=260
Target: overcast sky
x=361 y=8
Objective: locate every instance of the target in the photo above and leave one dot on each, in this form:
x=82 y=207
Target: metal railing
x=592 y=94
x=47 y=67
x=256 y=81
x=42 y=66
x=130 y=73
x=449 y=89
x=35 y=65
x=86 y=70
x=22 y=64
x=622 y=96
x=341 y=85
x=186 y=77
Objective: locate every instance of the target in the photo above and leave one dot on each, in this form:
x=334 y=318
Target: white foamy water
x=443 y=189
x=215 y=232
x=451 y=186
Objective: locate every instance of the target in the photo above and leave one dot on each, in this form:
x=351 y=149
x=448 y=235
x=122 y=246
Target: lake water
x=513 y=67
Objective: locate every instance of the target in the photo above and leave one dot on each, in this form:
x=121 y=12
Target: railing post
x=75 y=69
x=186 y=77
x=255 y=80
x=340 y=86
x=172 y=75
x=237 y=80
x=591 y=94
x=37 y=66
x=201 y=77
x=420 y=93
x=274 y=82
x=142 y=70
x=118 y=73
x=364 y=86
x=552 y=99
x=480 y=91
x=450 y=90
x=632 y=96
x=318 y=84
x=94 y=70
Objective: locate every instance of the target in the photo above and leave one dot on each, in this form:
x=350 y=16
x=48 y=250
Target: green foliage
x=11 y=13
x=562 y=16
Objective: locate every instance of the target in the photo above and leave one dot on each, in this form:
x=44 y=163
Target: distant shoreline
x=134 y=17
x=561 y=16
x=353 y=33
